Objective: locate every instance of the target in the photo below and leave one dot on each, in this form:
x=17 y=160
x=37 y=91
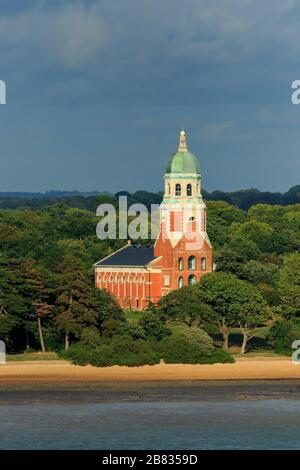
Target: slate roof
x=130 y=255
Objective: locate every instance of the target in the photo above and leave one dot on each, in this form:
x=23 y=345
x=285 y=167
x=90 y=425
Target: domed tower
x=183 y=242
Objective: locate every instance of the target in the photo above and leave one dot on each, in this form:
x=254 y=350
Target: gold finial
x=182 y=142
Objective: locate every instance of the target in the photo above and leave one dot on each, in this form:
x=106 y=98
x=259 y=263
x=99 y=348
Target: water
x=265 y=424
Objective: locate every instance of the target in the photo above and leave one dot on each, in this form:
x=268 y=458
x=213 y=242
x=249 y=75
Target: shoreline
x=63 y=372
x=60 y=382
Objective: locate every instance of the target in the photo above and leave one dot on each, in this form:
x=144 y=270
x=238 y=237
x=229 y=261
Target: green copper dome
x=183 y=162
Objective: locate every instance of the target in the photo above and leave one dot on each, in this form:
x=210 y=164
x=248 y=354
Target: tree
x=79 y=303
x=191 y=346
x=289 y=285
x=37 y=279
x=235 y=302
x=104 y=308
x=16 y=297
x=153 y=326
x=257 y=272
x=188 y=306
x=252 y=311
x=42 y=310
x=73 y=300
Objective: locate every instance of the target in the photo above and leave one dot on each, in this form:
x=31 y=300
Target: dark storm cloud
x=97 y=91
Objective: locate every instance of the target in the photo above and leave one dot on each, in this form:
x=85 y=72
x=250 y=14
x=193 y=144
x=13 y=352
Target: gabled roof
x=129 y=255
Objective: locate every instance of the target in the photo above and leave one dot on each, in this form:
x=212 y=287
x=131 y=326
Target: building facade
x=182 y=252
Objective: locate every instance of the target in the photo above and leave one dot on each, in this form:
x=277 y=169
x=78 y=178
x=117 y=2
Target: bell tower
x=183 y=242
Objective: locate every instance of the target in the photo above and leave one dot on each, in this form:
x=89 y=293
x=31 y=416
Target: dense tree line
x=243 y=199
x=47 y=298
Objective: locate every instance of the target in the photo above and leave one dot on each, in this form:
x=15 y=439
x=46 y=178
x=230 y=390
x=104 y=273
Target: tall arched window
x=189 y=190
x=192 y=279
x=192 y=262
x=180 y=264
x=177 y=190
x=203 y=264
x=180 y=282
x=169 y=191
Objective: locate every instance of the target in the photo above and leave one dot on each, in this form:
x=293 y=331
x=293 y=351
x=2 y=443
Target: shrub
x=126 y=351
x=199 y=340
x=132 y=329
x=78 y=353
x=153 y=326
x=122 y=351
x=90 y=337
x=221 y=356
x=282 y=334
x=188 y=347
x=110 y=327
x=53 y=339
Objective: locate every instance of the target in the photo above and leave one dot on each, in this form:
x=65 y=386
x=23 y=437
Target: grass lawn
x=257 y=346
x=35 y=356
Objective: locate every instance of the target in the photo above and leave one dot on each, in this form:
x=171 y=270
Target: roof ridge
x=108 y=256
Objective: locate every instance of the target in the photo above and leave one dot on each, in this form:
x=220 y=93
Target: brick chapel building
x=182 y=252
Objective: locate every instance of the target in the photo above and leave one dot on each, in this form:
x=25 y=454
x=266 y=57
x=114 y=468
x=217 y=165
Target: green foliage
x=48 y=246
x=90 y=336
x=282 y=334
x=153 y=326
x=221 y=356
x=257 y=272
x=187 y=347
x=235 y=302
x=289 y=285
x=191 y=347
x=78 y=353
x=111 y=327
x=134 y=330
x=186 y=305
x=122 y=351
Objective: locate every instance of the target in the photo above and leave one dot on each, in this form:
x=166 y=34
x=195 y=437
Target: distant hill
x=48 y=194
x=242 y=199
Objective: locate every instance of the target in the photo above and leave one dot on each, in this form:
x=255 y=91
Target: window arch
x=180 y=282
x=178 y=190
x=203 y=264
x=192 y=262
x=189 y=190
x=192 y=279
x=180 y=264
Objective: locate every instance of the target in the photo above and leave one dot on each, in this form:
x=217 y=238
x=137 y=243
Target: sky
x=98 y=90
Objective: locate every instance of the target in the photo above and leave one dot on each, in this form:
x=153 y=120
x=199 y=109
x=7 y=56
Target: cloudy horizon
x=97 y=92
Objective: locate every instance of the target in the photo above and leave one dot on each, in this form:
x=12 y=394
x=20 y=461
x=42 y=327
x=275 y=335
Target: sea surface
x=191 y=422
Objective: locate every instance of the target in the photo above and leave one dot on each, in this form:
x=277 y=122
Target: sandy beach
x=62 y=372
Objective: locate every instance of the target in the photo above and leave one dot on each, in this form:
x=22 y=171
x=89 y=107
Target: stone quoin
x=182 y=253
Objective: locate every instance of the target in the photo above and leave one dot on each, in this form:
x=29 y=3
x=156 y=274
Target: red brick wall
x=143 y=287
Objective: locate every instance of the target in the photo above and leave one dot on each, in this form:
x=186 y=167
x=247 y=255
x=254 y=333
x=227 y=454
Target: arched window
x=189 y=190
x=169 y=191
x=192 y=279
x=203 y=264
x=192 y=262
x=180 y=264
x=177 y=190
x=180 y=282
